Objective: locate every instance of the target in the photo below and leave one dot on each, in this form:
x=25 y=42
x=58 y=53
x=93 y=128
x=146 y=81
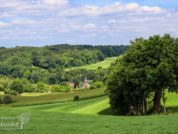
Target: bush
x=42 y=87
x=1 y=87
x=76 y=98
x=6 y=99
x=60 y=88
x=10 y=92
x=97 y=84
x=92 y=87
x=17 y=86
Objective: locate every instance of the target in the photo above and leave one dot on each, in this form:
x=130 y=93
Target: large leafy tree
x=147 y=67
x=176 y=59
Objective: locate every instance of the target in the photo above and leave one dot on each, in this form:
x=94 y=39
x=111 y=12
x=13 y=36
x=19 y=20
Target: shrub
x=99 y=84
x=1 y=87
x=60 y=88
x=17 y=86
x=76 y=98
x=92 y=87
x=42 y=87
x=0 y=99
x=10 y=92
x=6 y=99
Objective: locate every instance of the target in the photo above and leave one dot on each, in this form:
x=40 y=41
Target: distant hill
x=37 y=63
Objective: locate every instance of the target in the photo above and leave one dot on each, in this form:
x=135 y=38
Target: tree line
x=47 y=64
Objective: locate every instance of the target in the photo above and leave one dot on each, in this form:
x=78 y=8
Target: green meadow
x=91 y=116
x=55 y=97
x=104 y=64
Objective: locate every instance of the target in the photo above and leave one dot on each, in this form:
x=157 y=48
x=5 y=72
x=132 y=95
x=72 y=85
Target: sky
x=94 y=22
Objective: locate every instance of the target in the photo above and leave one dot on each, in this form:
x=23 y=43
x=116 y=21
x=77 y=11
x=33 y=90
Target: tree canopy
x=149 y=67
x=46 y=64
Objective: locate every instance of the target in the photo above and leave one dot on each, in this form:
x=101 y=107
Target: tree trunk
x=145 y=105
x=157 y=102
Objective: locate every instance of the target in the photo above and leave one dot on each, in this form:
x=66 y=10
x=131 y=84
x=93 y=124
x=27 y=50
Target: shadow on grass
x=170 y=110
x=106 y=111
x=173 y=109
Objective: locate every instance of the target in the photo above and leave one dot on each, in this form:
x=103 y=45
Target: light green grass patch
x=34 y=94
x=1 y=93
x=56 y=97
x=89 y=106
x=104 y=64
x=172 y=99
x=93 y=108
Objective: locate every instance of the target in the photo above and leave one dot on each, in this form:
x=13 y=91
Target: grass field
x=88 y=106
x=56 y=97
x=104 y=64
x=84 y=117
x=94 y=106
x=42 y=122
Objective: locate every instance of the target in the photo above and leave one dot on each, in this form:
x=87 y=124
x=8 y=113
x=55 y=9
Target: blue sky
x=96 y=22
x=162 y=3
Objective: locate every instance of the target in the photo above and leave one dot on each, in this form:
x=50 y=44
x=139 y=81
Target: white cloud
x=56 y=2
x=59 y=18
x=25 y=22
x=3 y=24
x=76 y=26
x=5 y=15
x=152 y=9
x=112 y=21
x=110 y=9
x=132 y=6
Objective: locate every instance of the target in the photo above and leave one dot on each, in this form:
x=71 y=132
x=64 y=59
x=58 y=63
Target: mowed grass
x=81 y=117
x=89 y=106
x=48 y=119
x=172 y=103
x=56 y=97
x=104 y=64
x=95 y=106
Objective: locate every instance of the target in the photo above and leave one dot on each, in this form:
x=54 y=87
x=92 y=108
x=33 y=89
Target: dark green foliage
x=176 y=60
x=147 y=67
x=17 y=86
x=46 y=64
x=97 y=84
x=2 y=88
x=35 y=68
x=42 y=87
x=10 y=92
x=6 y=99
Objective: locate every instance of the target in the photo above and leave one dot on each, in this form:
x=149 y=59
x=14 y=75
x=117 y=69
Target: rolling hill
x=87 y=116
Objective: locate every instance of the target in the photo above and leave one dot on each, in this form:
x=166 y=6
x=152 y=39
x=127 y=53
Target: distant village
x=76 y=84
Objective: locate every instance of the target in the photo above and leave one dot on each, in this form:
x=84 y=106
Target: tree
x=42 y=87
x=176 y=60
x=17 y=86
x=147 y=67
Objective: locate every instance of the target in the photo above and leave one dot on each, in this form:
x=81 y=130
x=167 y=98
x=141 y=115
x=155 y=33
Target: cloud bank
x=36 y=22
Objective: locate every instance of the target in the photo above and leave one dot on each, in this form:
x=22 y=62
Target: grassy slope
x=89 y=106
x=93 y=106
x=66 y=118
x=104 y=64
x=55 y=97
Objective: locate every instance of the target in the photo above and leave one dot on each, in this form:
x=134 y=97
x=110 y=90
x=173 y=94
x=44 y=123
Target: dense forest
x=47 y=64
